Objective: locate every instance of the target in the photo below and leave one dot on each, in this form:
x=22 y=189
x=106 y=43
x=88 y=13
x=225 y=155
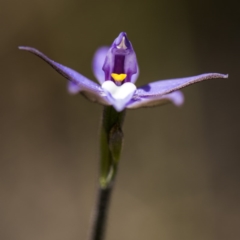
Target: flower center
x=118 y=74
x=119 y=77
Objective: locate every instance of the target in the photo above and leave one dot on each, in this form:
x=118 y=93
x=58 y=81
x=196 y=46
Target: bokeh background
x=179 y=173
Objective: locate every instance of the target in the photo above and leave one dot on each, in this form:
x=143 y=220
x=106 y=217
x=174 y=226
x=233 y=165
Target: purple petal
x=73 y=88
x=177 y=98
x=135 y=76
x=120 y=59
x=98 y=61
x=167 y=86
x=79 y=83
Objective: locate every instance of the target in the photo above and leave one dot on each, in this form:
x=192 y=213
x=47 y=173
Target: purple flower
x=116 y=70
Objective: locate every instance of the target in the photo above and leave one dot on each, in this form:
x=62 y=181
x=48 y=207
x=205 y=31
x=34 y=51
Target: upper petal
x=120 y=59
x=78 y=83
x=97 y=64
x=167 y=86
x=177 y=98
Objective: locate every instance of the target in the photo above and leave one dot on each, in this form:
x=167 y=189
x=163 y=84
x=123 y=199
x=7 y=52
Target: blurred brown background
x=179 y=173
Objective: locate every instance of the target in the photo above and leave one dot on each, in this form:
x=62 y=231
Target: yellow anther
x=119 y=77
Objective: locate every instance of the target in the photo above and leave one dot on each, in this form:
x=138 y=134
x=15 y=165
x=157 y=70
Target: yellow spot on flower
x=119 y=77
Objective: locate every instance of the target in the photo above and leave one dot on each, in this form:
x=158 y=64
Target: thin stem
x=100 y=214
x=110 y=149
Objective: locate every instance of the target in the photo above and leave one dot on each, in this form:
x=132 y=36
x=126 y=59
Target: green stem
x=110 y=148
x=111 y=144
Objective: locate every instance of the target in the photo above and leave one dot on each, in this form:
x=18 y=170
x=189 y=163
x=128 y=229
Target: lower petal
x=119 y=96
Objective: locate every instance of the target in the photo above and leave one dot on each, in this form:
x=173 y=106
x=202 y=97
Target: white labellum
x=119 y=92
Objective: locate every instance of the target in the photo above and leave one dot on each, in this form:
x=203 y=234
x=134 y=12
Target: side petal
x=177 y=98
x=78 y=83
x=97 y=64
x=167 y=86
x=135 y=76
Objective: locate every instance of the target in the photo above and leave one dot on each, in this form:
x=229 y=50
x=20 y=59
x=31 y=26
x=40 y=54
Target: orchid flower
x=116 y=70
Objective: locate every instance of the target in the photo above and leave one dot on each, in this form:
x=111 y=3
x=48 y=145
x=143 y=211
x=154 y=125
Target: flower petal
x=135 y=76
x=97 y=64
x=79 y=83
x=177 y=98
x=119 y=96
x=168 y=86
x=120 y=59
